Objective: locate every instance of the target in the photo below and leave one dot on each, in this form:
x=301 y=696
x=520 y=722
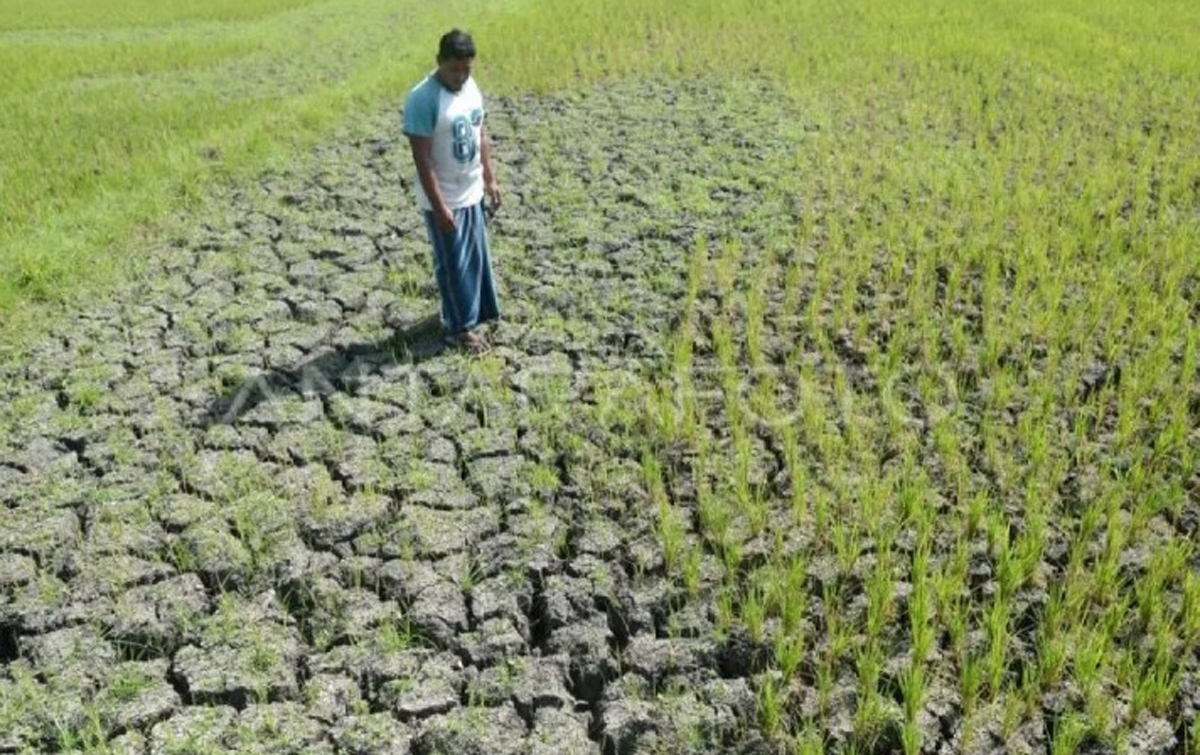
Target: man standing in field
x=443 y=120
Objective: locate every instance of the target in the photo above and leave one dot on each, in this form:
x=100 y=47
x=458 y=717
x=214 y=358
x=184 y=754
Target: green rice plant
x=726 y=612
x=1052 y=647
x=1092 y=648
x=1158 y=680
x=912 y=687
x=716 y=518
x=672 y=535
x=755 y=305
x=789 y=652
x=797 y=474
x=808 y=741
x=972 y=675
x=396 y=636
x=764 y=400
x=1102 y=719
x=1012 y=713
x=870 y=713
x=880 y=589
x=754 y=608
x=770 y=714
x=1189 y=611
x=920 y=613
x=690 y=571
x=470 y=573
x=847 y=546
x=662 y=416
x=791 y=593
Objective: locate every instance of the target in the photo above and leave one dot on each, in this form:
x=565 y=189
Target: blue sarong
x=463 y=270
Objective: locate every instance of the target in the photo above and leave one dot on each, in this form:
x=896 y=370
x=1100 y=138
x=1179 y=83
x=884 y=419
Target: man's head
x=456 y=58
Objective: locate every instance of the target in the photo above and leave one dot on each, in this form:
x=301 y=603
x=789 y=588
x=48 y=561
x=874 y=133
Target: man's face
x=454 y=72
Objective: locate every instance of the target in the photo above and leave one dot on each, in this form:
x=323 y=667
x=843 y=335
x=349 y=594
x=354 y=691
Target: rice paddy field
x=845 y=398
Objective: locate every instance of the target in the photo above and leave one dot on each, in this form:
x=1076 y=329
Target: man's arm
x=490 y=184
x=422 y=152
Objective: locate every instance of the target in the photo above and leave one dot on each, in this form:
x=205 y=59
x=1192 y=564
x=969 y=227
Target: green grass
x=118 y=113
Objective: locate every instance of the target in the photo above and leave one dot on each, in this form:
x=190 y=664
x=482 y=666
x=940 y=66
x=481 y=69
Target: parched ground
x=250 y=503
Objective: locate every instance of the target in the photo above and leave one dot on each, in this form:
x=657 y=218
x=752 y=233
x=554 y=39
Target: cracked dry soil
x=251 y=503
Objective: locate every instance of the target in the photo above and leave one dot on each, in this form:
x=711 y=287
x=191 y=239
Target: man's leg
x=460 y=261
x=487 y=306
x=444 y=272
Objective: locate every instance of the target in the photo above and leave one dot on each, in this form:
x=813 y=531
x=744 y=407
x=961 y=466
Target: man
x=443 y=120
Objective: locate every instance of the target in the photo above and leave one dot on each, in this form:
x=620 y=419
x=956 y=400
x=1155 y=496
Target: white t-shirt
x=454 y=120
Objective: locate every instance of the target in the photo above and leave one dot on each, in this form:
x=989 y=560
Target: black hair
x=456 y=45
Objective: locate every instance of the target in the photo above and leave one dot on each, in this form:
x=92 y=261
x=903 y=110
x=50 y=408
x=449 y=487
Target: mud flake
x=125 y=527
x=129 y=743
x=362 y=415
x=560 y=732
x=473 y=731
x=373 y=734
x=110 y=575
x=440 y=613
x=494 y=598
x=277 y=729
x=540 y=682
x=75 y=652
x=432 y=690
x=194 y=729
x=445 y=499
x=224 y=476
x=43 y=457
x=655 y=659
x=237 y=674
x=41 y=605
x=178 y=512
x=36 y=530
x=137 y=695
x=495 y=641
x=600 y=538
x=16 y=570
x=403 y=579
x=346 y=615
x=546 y=379
x=499 y=478
x=1151 y=735
x=331 y=697
x=627 y=724
x=436 y=533
x=281 y=409
x=329 y=523
x=214 y=552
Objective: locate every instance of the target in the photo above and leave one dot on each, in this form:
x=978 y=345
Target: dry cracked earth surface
x=251 y=502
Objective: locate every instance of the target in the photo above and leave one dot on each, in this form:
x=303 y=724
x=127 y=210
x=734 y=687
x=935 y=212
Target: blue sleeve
x=420 y=110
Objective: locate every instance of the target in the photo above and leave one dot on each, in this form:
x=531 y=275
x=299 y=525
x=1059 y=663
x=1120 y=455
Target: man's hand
x=444 y=219
x=492 y=188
